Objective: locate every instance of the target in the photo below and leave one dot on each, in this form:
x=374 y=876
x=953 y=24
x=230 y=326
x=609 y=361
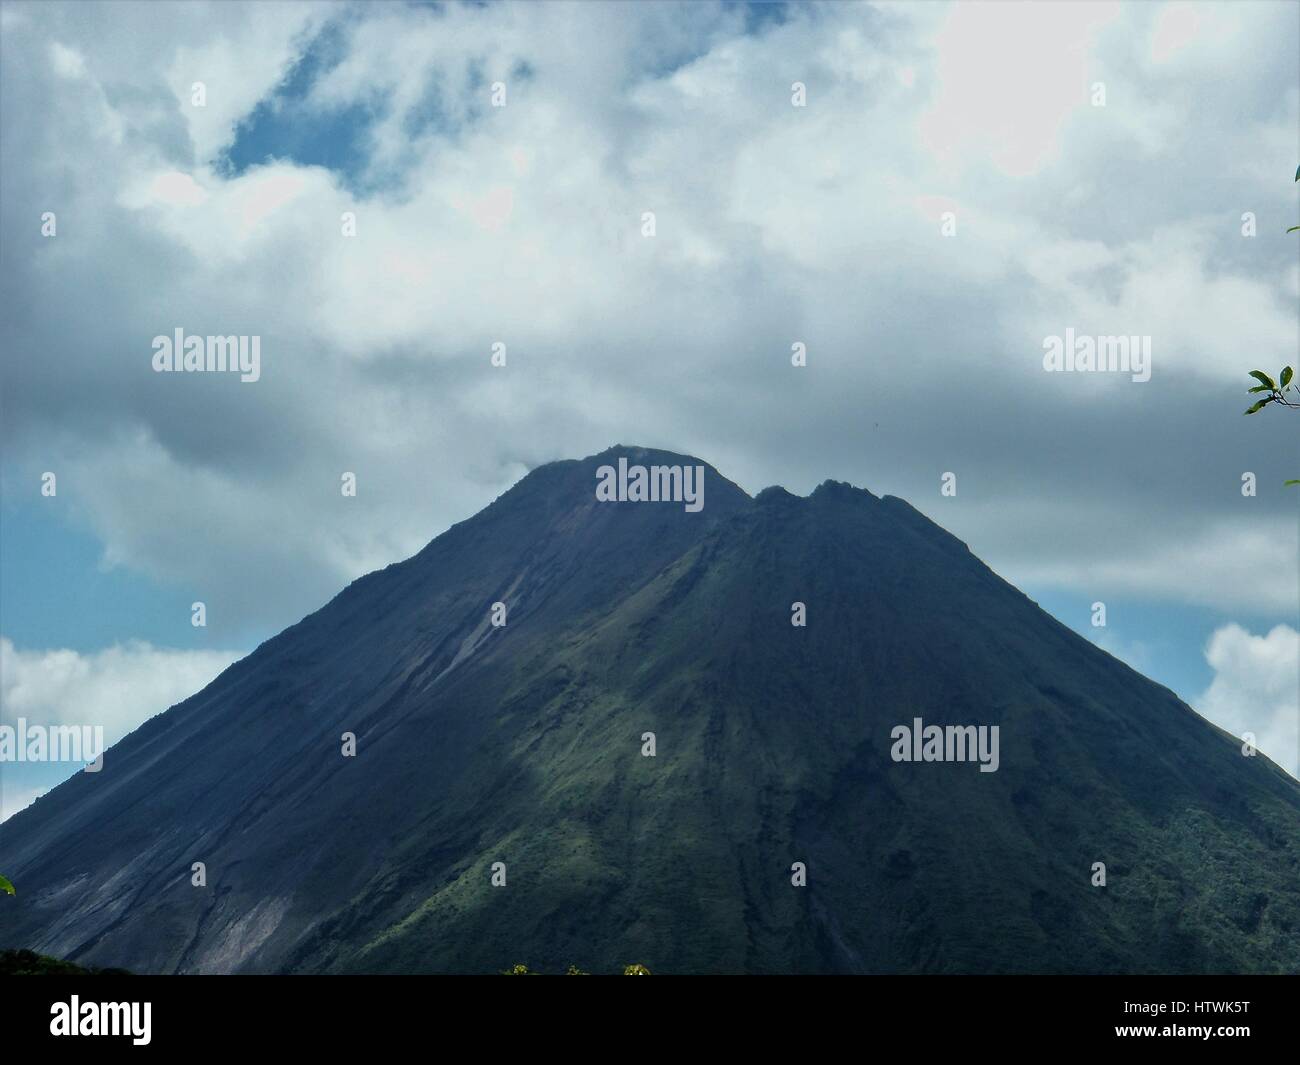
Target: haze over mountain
x=522 y=744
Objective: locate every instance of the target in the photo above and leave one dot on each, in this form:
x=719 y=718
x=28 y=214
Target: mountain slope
x=522 y=745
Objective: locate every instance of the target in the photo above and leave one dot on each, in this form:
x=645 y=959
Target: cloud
x=117 y=688
x=1256 y=688
x=1133 y=653
x=987 y=56
x=1214 y=566
x=14 y=799
x=775 y=224
x=68 y=63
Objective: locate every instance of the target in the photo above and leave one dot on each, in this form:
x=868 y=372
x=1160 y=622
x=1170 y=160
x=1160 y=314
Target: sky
x=919 y=194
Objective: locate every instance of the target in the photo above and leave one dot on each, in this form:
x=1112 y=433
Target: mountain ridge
x=522 y=744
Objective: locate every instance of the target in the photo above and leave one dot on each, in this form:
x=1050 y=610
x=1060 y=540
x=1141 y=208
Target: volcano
x=604 y=731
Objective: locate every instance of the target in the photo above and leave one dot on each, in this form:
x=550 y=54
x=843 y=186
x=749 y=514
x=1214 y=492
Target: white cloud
x=775 y=224
x=1009 y=76
x=1215 y=566
x=117 y=688
x=14 y=799
x=1176 y=26
x=1256 y=688
x=239 y=58
x=68 y=62
x=1133 y=653
x=170 y=188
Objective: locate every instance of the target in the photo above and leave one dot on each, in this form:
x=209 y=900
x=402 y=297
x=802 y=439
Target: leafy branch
x=573 y=970
x=1297 y=177
x=1276 y=390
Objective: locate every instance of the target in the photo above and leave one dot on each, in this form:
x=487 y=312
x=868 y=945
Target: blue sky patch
x=283 y=126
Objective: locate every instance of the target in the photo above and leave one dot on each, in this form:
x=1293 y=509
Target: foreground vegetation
x=573 y=970
x=29 y=963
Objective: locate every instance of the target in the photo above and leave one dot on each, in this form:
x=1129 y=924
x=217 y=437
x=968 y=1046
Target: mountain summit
x=595 y=732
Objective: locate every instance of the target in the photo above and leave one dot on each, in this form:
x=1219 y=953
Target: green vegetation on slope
x=29 y=963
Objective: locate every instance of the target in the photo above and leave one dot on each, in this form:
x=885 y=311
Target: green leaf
x=1260 y=388
x=1297 y=173
x=1285 y=483
x=7 y=887
x=1293 y=229
x=1263 y=378
x=1257 y=405
x=1286 y=376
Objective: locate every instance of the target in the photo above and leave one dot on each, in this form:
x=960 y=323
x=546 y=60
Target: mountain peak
x=500 y=687
x=577 y=479
x=831 y=489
